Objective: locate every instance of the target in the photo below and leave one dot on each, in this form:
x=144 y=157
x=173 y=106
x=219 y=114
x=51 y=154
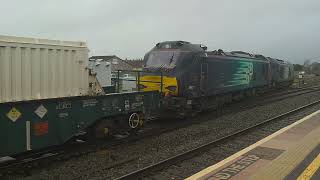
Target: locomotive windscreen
x=162 y=59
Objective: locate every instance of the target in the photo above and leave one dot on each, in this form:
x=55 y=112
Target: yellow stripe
x=153 y=84
x=311 y=169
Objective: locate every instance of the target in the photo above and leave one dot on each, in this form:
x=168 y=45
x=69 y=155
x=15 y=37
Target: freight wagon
x=47 y=96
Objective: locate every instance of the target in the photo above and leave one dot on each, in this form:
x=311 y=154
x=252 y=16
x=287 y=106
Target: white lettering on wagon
x=89 y=103
x=136 y=105
x=64 y=105
x=63 y=115
x=126 y=105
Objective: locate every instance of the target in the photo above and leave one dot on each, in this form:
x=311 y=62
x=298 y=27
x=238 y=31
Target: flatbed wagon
x=37 y=124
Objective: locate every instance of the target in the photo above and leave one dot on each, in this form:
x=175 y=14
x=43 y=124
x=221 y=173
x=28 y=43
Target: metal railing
x=123 y=76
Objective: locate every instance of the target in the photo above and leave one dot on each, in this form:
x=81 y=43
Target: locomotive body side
x=213 y=75
x=282 y=73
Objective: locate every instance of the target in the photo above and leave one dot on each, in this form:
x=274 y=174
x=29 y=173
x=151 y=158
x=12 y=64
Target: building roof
x=116 y=62
x=137 y=64
x=104 y=57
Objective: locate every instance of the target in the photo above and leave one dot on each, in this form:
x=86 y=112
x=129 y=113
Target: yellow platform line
x=207 y=171
x=311 y=169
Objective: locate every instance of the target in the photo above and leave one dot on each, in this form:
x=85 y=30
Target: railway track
x=273 y=97
x=196 y=151
x=22 y=164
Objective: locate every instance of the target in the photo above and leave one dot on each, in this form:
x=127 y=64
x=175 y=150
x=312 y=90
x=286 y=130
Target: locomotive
x=194 y=79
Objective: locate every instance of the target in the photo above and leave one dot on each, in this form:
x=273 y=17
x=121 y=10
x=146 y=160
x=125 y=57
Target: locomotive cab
x=164 y=64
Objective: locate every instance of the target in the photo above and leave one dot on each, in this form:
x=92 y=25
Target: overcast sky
x=287 y=29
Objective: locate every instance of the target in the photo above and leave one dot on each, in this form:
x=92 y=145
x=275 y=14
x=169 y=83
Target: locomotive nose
x=165 y=84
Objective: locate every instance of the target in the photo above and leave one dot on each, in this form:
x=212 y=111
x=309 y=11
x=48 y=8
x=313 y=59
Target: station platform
x=290 y=153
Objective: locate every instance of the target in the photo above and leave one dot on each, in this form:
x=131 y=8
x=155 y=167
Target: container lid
x=25 y=40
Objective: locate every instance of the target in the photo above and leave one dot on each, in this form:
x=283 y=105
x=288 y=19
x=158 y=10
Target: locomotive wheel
x=134 y=121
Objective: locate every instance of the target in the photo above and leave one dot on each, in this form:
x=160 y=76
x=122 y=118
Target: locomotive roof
x=278 y=61
x=183 y=45
x=238 y=54
x=243 y=54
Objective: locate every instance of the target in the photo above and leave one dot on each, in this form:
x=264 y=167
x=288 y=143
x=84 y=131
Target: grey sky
x=287 y=29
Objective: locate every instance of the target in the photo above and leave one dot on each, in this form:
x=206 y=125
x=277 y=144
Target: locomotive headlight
x=172 y=88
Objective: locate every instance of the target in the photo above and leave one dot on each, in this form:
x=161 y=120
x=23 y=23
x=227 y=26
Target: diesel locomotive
x=194 y=79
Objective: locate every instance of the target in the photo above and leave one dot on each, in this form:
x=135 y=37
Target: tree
x=315 y=68
x=307 y=65
x=298 y=67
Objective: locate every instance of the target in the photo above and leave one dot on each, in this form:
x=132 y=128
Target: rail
x=185 y=155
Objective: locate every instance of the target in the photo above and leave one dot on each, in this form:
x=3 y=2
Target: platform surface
x=290 y=153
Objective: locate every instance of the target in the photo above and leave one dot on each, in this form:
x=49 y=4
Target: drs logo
x=40 y=128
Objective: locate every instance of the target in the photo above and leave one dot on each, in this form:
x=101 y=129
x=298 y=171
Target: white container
x=40 y=69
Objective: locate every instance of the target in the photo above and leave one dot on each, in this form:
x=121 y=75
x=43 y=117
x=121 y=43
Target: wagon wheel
x=134 y=120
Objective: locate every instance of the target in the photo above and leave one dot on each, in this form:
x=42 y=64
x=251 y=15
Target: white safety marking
x=28 y=136
x=41 y=111
x=126 y=105
x=242 y=152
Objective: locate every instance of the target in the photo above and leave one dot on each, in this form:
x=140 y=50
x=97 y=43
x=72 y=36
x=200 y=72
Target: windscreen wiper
x=171 y=59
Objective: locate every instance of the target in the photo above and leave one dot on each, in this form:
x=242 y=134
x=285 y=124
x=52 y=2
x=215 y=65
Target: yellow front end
x=153 y=83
